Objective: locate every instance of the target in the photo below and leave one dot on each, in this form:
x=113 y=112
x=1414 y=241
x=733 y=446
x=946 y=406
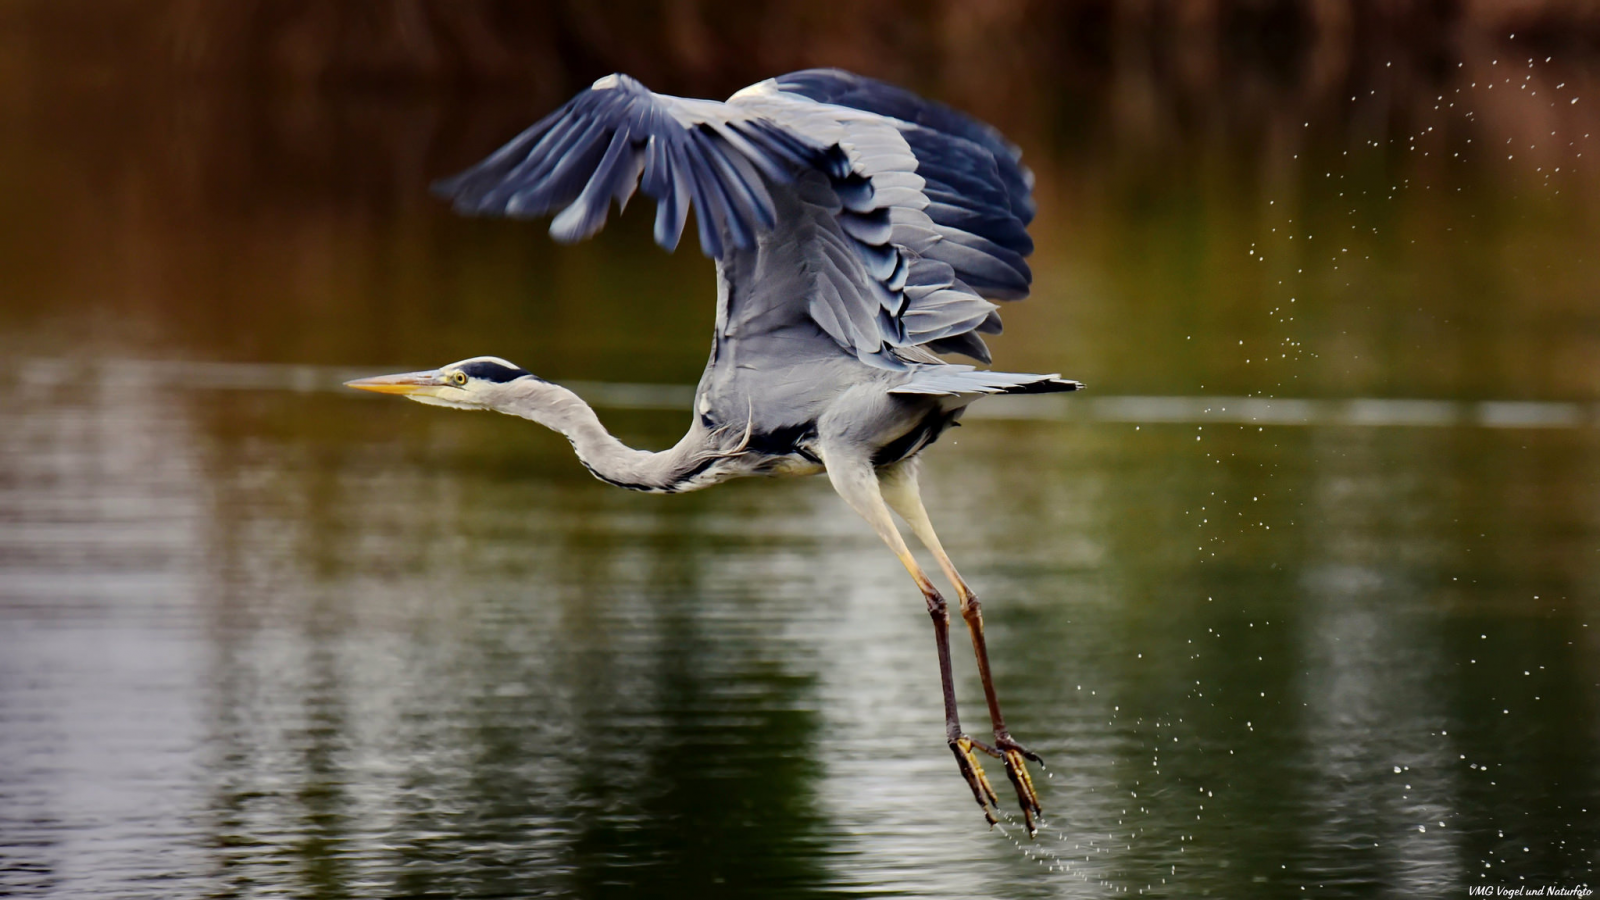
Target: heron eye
x=459 y=377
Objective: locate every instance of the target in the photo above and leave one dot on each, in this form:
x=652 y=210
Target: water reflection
x=264 y=638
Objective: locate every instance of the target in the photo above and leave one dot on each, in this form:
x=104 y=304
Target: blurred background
x=1301 y=596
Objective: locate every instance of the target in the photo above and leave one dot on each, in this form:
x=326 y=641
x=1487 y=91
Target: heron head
x=478 y=383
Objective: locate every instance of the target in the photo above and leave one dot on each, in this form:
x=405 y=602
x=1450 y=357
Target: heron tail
x=952 y=380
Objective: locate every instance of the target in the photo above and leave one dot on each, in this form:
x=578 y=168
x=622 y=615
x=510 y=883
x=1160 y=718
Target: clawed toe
x=1008 y=743
x=1015 y=756
x=980 y=745
x=1016 y=759
x=967 y=761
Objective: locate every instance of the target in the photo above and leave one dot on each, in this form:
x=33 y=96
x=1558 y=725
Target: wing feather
x=928 y=207
x=618 y=135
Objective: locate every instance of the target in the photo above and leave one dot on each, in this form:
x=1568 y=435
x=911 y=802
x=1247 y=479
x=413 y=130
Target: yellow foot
x=967 y=761
x=1017 y=770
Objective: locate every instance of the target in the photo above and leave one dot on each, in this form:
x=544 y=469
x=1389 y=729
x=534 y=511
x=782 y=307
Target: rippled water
x=259 y=637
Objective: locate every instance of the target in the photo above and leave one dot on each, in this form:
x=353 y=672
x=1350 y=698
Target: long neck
x=612 y=461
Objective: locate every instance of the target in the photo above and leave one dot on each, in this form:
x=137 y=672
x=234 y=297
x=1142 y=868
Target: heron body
x=860 y=232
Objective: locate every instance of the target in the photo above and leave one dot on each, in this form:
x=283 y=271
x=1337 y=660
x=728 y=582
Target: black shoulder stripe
x=784 y=440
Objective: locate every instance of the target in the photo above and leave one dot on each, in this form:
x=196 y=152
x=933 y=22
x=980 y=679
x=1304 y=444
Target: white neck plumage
x=681 y=467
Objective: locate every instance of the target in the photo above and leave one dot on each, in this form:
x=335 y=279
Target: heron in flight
x=859 y=232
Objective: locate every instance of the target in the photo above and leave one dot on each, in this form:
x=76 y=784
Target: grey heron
x=859 y=231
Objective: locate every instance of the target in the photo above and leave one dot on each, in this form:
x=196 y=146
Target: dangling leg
x=899 y=485
x=857 y=483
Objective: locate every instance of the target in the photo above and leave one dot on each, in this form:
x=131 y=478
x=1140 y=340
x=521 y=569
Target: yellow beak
x=404 y=384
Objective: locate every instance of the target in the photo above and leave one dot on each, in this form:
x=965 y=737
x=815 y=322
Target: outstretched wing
x=618 y=136
x=928 y=206
x=980 y=196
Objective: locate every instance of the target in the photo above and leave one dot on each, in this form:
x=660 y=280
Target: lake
x=1301 y=597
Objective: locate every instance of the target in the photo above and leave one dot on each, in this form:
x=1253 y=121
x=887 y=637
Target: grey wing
x=619 y=136
x=782 y=309
x=935 y=205
x=907 y=213
x=980 y=195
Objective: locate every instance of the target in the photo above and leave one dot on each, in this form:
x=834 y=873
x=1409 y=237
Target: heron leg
x=898 y=483
x=858 y=485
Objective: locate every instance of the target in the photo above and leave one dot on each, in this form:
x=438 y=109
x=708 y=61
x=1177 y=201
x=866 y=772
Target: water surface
x=262 y=637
